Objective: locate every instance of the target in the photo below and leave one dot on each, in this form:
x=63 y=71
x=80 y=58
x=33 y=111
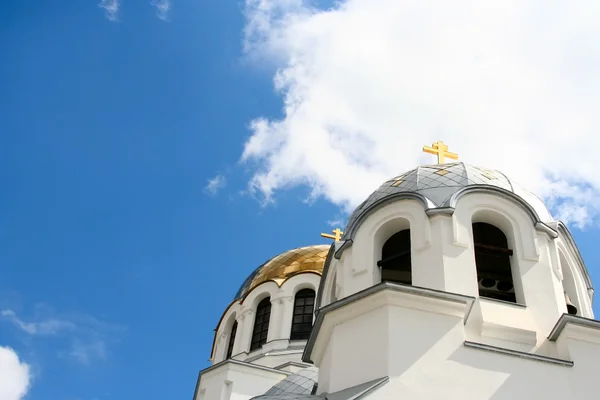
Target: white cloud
x=338 y=222
x=49 y=326
x=84 y=352
x=215 y=184
x=87 y=335
x=111 y=9
x=162 y=8
x=15 y=375
x=511 y=85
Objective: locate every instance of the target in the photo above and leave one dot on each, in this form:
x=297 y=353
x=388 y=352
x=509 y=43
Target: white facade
x=422 y=345
x=251 y=373
x=435 y=338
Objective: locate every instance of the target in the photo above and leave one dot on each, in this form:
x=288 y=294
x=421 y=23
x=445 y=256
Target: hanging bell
x=571 y=309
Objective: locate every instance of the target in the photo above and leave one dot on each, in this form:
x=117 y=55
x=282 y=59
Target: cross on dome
x=441 y=151
x=337 y=235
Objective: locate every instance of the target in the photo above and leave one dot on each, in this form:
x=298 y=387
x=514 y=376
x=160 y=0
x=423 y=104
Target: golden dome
x=282 y=267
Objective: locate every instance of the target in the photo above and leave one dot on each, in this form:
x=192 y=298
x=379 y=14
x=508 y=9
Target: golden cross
x=336 y=236
x=441 y=151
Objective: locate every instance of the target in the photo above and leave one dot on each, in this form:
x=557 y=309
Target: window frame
x=231 y=342
x=260 y=329
x=404 y=251
x=300 y=311
x=501 y=250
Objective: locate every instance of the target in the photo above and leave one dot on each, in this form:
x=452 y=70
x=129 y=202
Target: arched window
x=231 y=340
x=492 y=258
x=571 y=307
x=304 y=305
x=395 y=259
x=261 y=324
x=570 y=289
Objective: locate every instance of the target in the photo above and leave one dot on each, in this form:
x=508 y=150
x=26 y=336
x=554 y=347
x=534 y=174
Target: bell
x=571 y=309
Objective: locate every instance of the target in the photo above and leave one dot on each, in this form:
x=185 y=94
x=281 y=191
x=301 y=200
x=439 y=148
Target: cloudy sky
x=143 y=140
x=510 y=85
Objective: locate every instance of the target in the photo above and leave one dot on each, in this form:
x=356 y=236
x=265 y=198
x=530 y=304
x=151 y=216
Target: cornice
x=238 y=363
x=566 y=319
x=391 y=294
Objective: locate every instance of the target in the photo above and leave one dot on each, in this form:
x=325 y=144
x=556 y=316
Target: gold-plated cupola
x=282 y=267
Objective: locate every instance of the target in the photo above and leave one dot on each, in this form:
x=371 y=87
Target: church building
x=450 y=281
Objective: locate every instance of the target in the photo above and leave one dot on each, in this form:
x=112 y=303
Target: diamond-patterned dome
x=437 y=183
x=295 y=387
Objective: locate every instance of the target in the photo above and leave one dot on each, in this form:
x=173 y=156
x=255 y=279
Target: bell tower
x=454 y=275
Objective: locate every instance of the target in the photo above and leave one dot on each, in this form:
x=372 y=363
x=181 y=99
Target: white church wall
x=570 y=285
x=282 y=307
x=288 y=292
x=585 y=355
x=573 y=280
x=443 y=258
x=224 y=335
x=536 y=286
x=356 y=342
x=326 y=364
x=330 y=286
x=461 y=372
x=223 y=332
x=332 y=289
x=454 y=371
x=248 y=312
x=425 y=355
x=356 y=353
x=293 y=367
x=456 y=264
x=511 y=219
x=233 y=381
x=360 y=271
x=421 y=341
x=275 y=360
x=443 y=341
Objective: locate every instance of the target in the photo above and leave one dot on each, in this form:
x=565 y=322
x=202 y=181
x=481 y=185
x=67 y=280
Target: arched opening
x=261 y=324
x=492 y=259
x=395 y=260
x=570 y=289
x=231 y=340
x=304 y=305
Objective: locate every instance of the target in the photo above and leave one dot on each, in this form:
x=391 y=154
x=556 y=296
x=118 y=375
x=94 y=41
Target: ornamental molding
x=246 y=312
x=282 y=299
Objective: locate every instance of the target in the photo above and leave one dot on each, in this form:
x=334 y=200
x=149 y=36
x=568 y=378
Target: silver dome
x=438 y=186
x=295 y=387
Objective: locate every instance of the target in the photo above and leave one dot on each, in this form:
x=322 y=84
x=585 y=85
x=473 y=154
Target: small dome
x=436 y=184
x=282 y=267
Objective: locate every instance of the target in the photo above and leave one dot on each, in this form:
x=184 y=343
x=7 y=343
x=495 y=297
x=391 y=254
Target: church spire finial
x=441 y=151
x=337 y=235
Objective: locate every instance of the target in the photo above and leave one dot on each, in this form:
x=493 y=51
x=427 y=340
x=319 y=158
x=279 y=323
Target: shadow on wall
x=513 y=377
x=446 y=371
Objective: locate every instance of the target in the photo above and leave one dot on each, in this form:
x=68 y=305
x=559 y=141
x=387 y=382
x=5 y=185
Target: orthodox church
x=449 y=281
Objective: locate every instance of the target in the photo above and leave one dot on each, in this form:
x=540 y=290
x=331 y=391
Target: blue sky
x=110 y=132
x=117 y=254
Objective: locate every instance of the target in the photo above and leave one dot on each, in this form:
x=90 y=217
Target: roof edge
x=240 y=295
x=236 y=362
x=351 y=231
x=494 y=190
x=570 y=242
x=330 y=255
x=417 y=290
x=573 y=319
